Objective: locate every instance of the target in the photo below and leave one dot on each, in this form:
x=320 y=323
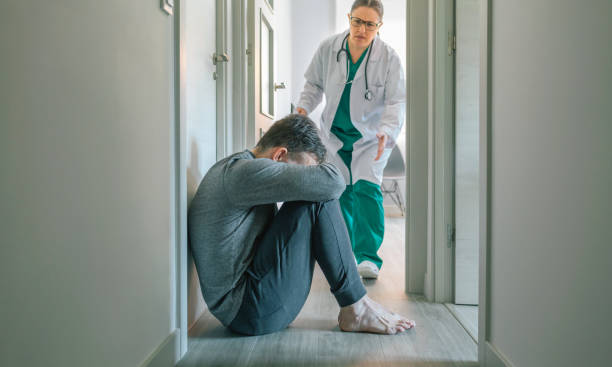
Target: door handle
x=281 y=85
x=220 y=58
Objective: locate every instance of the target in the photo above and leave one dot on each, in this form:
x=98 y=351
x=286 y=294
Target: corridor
x=113 y=111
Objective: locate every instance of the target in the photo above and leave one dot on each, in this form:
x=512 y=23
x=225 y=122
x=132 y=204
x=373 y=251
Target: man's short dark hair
x=298 y=134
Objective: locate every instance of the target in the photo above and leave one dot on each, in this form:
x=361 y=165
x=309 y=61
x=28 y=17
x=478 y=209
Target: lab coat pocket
x=378 y=166
x=372 y=109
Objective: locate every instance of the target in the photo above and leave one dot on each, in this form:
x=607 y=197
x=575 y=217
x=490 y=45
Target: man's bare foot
x=368 y=316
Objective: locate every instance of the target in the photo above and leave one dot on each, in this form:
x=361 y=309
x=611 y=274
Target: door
x=261 y=68
x=467 y=75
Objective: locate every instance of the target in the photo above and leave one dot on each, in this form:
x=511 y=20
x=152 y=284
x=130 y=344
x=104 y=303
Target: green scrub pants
x=362 y=208
x=362 y=201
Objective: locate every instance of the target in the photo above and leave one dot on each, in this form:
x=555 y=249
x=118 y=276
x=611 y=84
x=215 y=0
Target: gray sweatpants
x=278 y=280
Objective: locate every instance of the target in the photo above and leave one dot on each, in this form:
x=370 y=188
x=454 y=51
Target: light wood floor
x=314 y=338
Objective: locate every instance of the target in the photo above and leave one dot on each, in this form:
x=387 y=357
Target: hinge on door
x=222 y=57
x=452 y=44
x=450 y=235
x=248 y=53
x=167 y=6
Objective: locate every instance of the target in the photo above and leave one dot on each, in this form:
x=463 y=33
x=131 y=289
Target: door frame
x=223 y=22
x=430 y=141
x=487 y=353
x=240 y=86
x=418 y=237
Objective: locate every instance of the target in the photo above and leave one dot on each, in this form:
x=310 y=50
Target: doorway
x=443 y=139
x=312 y=23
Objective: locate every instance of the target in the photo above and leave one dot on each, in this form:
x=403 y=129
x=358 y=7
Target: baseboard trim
x=165 y=354
x=494 y=358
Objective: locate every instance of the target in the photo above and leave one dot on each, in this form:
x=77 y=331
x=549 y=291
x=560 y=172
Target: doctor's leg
x=347 y=200
x=346 y=205
x=369 y=221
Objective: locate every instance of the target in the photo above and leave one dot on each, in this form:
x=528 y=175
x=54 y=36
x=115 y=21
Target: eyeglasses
x=370 y=26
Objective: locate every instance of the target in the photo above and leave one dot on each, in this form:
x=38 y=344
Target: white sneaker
x=368 y=270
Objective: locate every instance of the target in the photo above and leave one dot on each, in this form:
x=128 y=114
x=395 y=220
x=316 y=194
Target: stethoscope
x=369 y=95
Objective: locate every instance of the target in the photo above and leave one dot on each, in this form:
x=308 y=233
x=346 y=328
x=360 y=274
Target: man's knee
x=297 y=206
x=331 y=205
x=299 y=210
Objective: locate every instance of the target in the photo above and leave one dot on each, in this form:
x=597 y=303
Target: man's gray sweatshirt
x=234 y=204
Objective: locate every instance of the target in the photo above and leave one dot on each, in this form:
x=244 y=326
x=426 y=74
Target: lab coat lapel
x=341 y=63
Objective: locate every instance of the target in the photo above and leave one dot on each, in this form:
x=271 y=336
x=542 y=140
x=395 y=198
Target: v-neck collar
x=360 y=57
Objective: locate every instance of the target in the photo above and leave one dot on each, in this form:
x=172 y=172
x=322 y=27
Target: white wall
x=551 y=178
x=200 y=114
x=85 y=156
x=417 y=112
x=312 y=21
x=284 y=72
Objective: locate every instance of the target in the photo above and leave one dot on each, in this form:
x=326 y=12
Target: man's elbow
x=331 y=190
x=338 y=188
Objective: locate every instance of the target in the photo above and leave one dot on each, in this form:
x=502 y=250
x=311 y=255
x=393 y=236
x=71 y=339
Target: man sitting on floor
x=255 y=263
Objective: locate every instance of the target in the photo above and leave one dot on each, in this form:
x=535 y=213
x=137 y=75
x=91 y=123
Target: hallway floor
x=314 y=338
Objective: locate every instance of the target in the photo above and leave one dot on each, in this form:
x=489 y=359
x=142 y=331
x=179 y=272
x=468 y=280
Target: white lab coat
x=383 y=114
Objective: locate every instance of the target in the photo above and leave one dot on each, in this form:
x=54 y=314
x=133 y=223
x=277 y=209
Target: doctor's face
x=364 y=23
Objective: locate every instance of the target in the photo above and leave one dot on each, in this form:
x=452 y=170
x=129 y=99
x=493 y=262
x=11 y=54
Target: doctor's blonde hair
x=373 y=4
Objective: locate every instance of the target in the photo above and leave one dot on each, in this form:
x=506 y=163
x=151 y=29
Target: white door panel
x=262 y=67
x=466 y=154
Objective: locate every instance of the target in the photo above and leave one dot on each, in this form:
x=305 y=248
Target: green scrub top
x=342 y=126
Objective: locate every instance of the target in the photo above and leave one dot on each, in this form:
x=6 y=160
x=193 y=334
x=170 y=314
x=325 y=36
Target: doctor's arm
x=392 y=118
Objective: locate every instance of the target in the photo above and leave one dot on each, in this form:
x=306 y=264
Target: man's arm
x=260 y=181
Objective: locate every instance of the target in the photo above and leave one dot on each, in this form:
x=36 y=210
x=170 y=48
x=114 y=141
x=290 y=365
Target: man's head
x=294 y=139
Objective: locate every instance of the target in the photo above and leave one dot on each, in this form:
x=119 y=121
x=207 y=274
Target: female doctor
x=363 y=82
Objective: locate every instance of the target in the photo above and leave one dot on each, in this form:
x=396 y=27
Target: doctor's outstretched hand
x=301 y=111
x=382 y=141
